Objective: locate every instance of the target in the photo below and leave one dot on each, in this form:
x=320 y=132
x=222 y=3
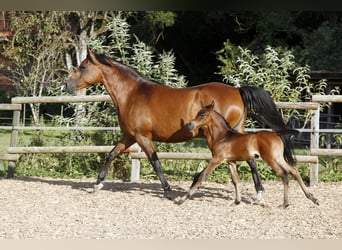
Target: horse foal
x=226 y=143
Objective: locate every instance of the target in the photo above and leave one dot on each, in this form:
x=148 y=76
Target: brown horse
x=228 y=144
x=147 y=110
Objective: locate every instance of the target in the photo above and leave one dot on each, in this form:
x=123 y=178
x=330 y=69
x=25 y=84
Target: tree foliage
x=274 y=70
x=36 y=50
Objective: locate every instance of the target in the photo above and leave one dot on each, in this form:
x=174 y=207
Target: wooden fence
x=14 y=151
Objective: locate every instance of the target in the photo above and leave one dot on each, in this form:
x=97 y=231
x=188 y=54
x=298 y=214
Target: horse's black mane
x=105 y=60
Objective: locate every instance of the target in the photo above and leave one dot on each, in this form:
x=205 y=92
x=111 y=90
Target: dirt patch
x=36 y=208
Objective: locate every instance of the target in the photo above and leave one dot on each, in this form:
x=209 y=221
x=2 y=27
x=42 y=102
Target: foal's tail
x=261 y=107
x=286 y=136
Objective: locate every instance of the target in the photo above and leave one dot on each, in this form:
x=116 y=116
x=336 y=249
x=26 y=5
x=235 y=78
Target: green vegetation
x=5 y=136
x=81 y=165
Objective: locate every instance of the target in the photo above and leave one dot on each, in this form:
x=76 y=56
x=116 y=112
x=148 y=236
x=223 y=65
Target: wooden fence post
x=135 y=168
x=14 y=141
x=314 y=144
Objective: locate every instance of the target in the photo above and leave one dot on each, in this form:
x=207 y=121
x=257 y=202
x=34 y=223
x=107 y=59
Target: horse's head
x=202 y=117
x=88 y=73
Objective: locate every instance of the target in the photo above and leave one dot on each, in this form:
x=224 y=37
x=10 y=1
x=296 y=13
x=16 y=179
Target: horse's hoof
x=260 y=198
x=167 y=194
x=98 y=186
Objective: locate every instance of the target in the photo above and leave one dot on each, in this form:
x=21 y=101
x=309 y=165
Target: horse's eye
x=82 y=67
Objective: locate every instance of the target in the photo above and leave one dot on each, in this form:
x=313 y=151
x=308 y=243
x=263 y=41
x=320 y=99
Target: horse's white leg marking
x=98 y=187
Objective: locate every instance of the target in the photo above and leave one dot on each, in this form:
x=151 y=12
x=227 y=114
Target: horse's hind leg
x=126 y=142
x=234 y=176
x=148 y=147
x=157 y=168
x=294 y=172
x=256 y=179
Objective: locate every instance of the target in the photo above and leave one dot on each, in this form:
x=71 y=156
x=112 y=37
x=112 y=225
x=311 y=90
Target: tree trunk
x=81 y=55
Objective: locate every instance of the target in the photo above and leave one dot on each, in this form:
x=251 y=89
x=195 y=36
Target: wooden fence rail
x=136 y=155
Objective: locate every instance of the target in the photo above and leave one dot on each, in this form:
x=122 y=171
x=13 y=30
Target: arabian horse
x=228 y=144
x=147 y=110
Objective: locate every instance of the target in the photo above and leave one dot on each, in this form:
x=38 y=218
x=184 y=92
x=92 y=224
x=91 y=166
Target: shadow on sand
x=143 y=188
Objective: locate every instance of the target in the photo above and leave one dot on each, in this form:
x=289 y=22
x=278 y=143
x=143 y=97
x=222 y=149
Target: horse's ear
x=91 y=56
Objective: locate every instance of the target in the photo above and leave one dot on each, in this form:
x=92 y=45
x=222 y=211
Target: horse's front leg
x=256 y=179
x=148 y=147
x=125 y=142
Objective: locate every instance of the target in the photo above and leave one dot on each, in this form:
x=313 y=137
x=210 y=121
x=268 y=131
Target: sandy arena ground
x=37 y=208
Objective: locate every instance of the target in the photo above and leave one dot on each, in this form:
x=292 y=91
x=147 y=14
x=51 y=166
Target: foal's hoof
x=315 y=201
x=98 y=186
x=284 y=206
x=181 y=200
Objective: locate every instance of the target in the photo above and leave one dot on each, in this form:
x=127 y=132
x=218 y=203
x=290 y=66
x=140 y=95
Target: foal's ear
x=212 y=105
x=209 y=106
x=202 y=105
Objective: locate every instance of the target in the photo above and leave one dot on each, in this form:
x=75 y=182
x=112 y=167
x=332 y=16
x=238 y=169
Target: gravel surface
x=41 y=208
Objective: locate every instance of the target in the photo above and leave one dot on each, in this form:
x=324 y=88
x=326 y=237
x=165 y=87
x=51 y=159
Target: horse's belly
x=180 y=135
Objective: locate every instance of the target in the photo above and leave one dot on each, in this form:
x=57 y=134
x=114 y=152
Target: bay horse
x=147 y=110
x=228 y=144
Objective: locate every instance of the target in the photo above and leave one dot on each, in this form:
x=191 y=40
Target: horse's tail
x=261 y=107
x=286 y=136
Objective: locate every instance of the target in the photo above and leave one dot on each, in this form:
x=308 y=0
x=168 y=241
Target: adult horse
x=147 y=110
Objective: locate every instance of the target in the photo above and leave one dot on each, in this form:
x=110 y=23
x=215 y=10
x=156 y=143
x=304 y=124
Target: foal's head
x=207 y=116
x=203 y=117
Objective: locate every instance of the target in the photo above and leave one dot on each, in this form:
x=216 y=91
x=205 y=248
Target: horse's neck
x=220 y=129
x=121 y=85
x=217 y=128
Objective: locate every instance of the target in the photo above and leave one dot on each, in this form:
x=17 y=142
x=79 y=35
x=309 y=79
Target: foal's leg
x=294 y=172
x=256 y=179
x=125 y=142
x=285 y=179
x=235 y=178
x=214 y=162
x=283 y=174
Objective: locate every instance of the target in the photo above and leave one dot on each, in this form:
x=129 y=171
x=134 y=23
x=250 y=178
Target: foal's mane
x=229 y=128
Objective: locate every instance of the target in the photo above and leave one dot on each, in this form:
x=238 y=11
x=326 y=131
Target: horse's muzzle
x=190 y=125
x=69 y=88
